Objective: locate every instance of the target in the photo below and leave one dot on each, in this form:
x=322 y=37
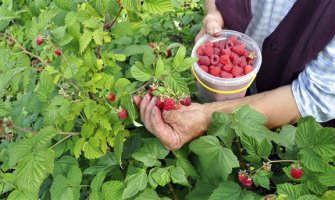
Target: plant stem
x=242 y=163
x=279 y=161
x=60 y=141
x=175 y=197
x=32 y=132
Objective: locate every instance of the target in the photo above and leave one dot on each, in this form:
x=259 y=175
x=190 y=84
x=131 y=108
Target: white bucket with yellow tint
x=213 y=88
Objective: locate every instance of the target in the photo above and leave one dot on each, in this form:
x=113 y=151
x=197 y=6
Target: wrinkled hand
x=173 y=128
x=212 y=24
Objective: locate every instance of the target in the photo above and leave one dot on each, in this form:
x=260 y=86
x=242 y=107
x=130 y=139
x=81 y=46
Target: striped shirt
x=314 y=89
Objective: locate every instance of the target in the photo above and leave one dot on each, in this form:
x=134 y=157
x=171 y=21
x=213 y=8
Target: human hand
x=176 y=127
x=212 y=24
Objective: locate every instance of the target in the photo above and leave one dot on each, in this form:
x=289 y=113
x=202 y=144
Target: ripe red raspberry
x=248 y=69
x=246 y=53
x=209 y=44
x=204 y=60
x=224 y=59
x=234 y=58
x=243 y=62
x=242 y=176
x=217 y=51
x=227 y=67
x=111 y=96
x=215 y=59
x=169 y=104
x=152 y=45
x=200 y=51
x=238 y=49
x=225 y=74
x=221 y=44
x=204 y=67
x=225 y=51
x=297 y=172
x=247 y=183
x=122 y=113
x=58 y=52
x=237 y=71
x=39 y=40
x=186 y=101
x=208 y=51
x=250 y=62
x=159 y=103
x=215 y=71
x=231 y=41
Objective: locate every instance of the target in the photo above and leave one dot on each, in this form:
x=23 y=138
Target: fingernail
x=216 y=30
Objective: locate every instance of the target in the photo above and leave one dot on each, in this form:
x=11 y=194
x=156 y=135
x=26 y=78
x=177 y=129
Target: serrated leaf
x=264 y=149
x=292 y=191
x=228 y=191
x=201 y=191
x=148 y=194
x=187 y=167
x=159 y=68
x=151 y=152
x=92 y=149
x=148 y=58
x=262 y=178
x=63 y=4
x=179 y=57
x=306 y=130
x=131 y=5
x=45 y=87
x=328 y=176
x=98 y=36
x=329 y=195
x=178 y=176
x=217 y=160
x=136 y=49
x=309 y=197
x=140 y=73
x=120 y=84
x=324 y=142
x=185 y=64
x=135 y=183
x=85 y=39
x=74 y=176
x=220 y=127
x=311 y=160
x=4 y=108
x=113 y=190
x=161 y=176
x=118 y=147
x=33 y=169
x=177 y=83
x=78 y=147
x=21 y=195
x=158 y=6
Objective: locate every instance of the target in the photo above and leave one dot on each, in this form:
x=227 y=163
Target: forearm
x=278 y=106
x=210 y=6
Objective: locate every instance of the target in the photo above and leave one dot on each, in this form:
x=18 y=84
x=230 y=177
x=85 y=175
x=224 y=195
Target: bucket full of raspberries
x=226 y=65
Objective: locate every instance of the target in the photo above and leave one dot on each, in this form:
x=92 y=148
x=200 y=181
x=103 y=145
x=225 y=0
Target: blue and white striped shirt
x=314 y=89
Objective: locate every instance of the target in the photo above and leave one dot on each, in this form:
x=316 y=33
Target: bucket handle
x=219 y=91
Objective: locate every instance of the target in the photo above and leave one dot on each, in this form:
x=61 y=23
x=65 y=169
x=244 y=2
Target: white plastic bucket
x=213 y=88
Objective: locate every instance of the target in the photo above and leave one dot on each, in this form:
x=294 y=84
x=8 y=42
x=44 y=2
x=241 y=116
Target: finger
x=143 y=106
x=214 y=31
x=171 y=117
x=137 y=100
x=201 y=33
x=149 y=109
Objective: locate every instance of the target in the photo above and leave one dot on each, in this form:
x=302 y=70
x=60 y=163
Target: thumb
x=137 y=100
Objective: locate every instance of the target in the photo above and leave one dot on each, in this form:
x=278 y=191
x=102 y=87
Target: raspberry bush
x=70 y=130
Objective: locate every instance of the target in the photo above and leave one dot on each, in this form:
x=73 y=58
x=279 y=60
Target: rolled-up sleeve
x=314 y=89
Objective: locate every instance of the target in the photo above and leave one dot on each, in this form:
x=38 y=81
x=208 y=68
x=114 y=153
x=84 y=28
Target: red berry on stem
x=169 y=104
x=296 y=172
x=242 y=176
x=111 y=96
x=152 y=45
x=122 y=113
x=58 y=52
x=186 y=101
x=247 y=183
x=39 y=40
x=159 y=103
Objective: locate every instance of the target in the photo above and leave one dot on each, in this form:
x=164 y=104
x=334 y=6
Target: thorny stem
x=45 y=63
x=274 y=161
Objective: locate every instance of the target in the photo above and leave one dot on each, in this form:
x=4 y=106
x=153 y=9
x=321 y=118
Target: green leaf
x=113 y=190
x=92 y=149
x=329 y=195
x=21 y=195
x=136 y=49
x=202 y=191
x=178 y=176
x=179 y=57
x=228 y=191
x=161 y=176
x=187 y=167
x=148 y=194
x=135 y=183
x=285 y=137
x=74 y=176
x=262 y=178
x=185 y=64
x=60 y=189
x=98 y=36
x=218 y=160
x=159 y=68
x=158 y=6
x=292 y=191
x=120 y=84
x=131 y=5
x=324 y=142
x=151 y=151
x=306 y=130
x=264 y=149
x=45 y=87
x=64 y=4
x=311 y=160
x=78 y=147
x=85 y=39
x=177 y=83
x=220 y=127
x=33 y=169
x=328 y=176
x=141 y=73
x=118 y=147
x=250 y=122
x=309 y=197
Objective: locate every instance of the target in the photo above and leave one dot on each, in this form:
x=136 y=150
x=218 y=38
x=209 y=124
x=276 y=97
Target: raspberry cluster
x=226 y=58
